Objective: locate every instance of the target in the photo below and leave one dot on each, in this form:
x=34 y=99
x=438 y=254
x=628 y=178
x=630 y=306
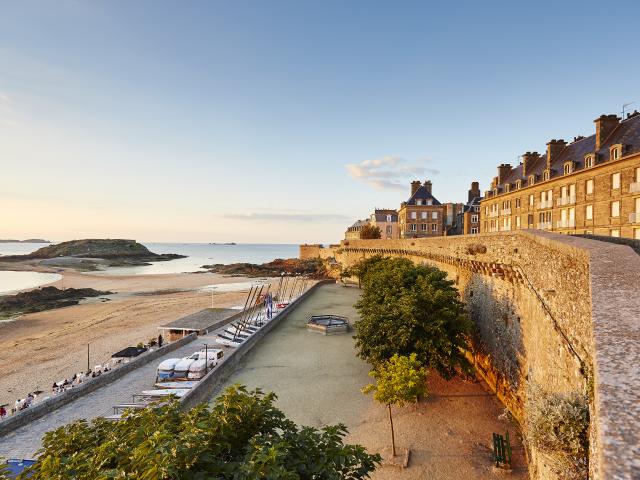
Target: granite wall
x=555 y=310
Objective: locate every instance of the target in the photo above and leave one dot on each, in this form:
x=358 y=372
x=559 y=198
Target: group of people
x=20 y=404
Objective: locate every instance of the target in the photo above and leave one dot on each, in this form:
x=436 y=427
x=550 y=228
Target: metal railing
x=545 y=204
x=634 y=187
x=566 y=223
x=505 y=228
x=569 y=200
x=634 y=217
x=493 y=213
x=506 y=211
x=544 y=225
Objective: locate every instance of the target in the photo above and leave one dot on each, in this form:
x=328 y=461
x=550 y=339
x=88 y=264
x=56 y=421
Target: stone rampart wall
x=544 y=309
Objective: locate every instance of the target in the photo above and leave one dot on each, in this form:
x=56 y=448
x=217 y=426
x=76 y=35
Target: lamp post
x=206 y=358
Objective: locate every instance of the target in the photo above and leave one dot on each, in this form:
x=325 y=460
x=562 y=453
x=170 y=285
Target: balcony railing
x=634 y=217
x=634 y=187
x=493 y=213
x=505 y=228
x=493 y=229
x=570 y=200
x=545 y=204
x=544 y=225
x=566 y=223
x=506 y=211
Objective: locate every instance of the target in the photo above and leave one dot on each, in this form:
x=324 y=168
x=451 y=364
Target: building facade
x=470 y=219
x=589 y=186
x=353 y=232
x=386 y=220
x=422 y=214
x=450 y=218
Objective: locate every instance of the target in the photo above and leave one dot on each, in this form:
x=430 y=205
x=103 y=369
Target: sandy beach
x=40 y=348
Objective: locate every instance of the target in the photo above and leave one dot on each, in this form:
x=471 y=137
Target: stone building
x=387 y=221
x=353 y=232
x=588 y=186
x=422 y=214
x=451 y=212
x=470 y=219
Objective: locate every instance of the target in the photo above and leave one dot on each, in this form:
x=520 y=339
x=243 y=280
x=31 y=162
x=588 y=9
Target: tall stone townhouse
x=591 y=185
x=386 y=219
x=422 y=214
x=469 y=220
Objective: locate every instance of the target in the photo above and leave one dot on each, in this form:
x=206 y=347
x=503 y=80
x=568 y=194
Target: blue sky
x=274 y=121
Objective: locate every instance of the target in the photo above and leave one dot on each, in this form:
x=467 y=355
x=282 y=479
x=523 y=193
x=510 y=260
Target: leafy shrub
x=558 y=425
x=242 y=436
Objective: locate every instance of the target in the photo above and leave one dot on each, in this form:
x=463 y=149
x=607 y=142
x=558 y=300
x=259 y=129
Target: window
x=589 y=161
x=419 y=201
x=615 y=152
x=568 y=168
x=388 y=218
x=389 y=229
x=589 y=187
x=636 y=233
x=434 y=215
x=474 y=218
x=413 y=227
x=532 y=179
x=423 y=215
x=414 y=215
x=518 y=221
x=615 y=232
x=434 y=227
x=429 y=202
x=588 y=212
x=476 y=208
x=531 y=200
x=423 y=227
x=475 y=230
x=615 y=209
x=517 y=202
x=518 y=184
x=507 y=187
x=615 y=181
x=546 y=175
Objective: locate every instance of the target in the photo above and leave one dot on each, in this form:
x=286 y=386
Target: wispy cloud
x=4 y=97
x=389 y=172
x=287 y=217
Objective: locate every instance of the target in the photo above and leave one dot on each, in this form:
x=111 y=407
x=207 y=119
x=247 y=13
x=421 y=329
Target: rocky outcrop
x=45 y=298
x=292 y=266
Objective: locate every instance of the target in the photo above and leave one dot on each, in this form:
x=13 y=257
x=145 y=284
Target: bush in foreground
x=242 y=436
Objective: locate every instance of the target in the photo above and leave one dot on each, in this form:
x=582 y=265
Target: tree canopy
x=407 y=308
x=370 y=232
x=242 y=436
x=399 y=381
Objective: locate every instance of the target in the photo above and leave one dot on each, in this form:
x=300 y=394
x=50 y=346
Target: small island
x=90 y=254
x=312 y=268
x=28 y=240
x=45 y=298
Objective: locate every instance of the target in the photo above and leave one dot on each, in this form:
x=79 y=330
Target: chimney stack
x=427 y=185
x=474 y=192
x=503 y=171
x=554 y=147
x=415 y=185
x=528 y=159
x=605 y=124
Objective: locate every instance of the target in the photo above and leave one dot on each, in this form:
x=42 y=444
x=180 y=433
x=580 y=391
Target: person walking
x=160 y=341
x=3 y=412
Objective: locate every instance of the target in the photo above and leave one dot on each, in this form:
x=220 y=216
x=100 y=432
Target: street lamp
x=206 y=358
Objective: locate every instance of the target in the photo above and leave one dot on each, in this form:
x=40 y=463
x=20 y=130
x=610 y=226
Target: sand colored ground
x=44 y=347
x=318 y=380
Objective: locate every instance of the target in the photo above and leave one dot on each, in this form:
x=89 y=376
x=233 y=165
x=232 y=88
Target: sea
x=197 y=255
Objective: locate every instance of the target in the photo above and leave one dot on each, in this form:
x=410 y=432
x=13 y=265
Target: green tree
x=370 y=232
x=4 y=470
x=242 y=436
x=407 y=308
x=399 y=381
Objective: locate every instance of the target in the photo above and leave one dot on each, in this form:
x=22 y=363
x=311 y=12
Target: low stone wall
x=211 y=382
x=47 y=406
x=550 y=309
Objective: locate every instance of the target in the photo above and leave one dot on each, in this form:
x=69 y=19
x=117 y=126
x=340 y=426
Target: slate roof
x=474 y=202
x=381 y=214
x=423 y=194
x=626 y=133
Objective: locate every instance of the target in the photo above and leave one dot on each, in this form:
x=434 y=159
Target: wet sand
x=318 y=380
x=40 y=348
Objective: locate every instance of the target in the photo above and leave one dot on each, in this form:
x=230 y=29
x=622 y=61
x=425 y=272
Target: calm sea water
x=198 y=254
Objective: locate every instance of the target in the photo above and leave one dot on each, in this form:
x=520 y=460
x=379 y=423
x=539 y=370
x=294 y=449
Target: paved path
x=26 y=440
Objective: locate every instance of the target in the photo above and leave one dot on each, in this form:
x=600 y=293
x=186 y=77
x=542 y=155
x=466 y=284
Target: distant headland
x=88 y=254
x=28 y=240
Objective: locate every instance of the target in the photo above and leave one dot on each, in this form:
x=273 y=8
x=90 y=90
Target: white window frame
x=615 y=209
x=615 y=181
x=589 y=186
x=588 y=212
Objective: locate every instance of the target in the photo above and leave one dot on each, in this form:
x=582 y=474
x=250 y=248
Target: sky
x=284 y=121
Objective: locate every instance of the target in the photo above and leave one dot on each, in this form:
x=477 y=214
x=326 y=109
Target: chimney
x=605 y=124
x=427 y=185
x=528 y=159
x=415 y=185
x=554 y=147
x=474 y=192
x=503 y=171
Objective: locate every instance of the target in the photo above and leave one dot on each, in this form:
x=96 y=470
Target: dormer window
x=568 y=168
x=507 y=187
x=495 y=191
x=518 y=184
x=615 y=152
x=532 y=179
x=429 y=202
x=589 y=161
x=546 y=175
x=418 y=201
